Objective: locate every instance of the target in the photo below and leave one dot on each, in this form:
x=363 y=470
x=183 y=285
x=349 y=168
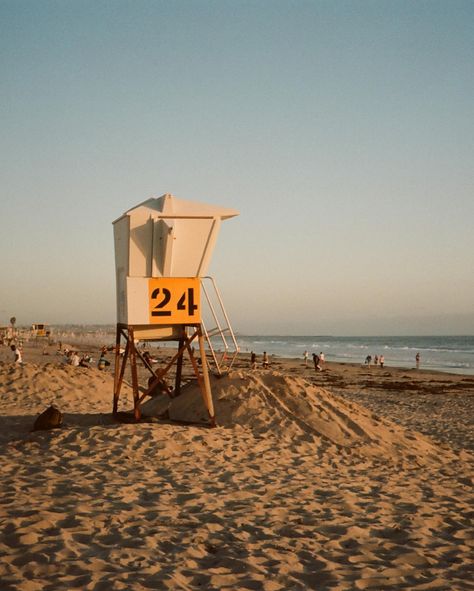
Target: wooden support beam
x=179 y=370
x=207 y=384
x=116 y=370
x=132 y=352
x=133 y=368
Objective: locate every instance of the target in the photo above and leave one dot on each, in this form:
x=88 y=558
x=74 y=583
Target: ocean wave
x=429 y=349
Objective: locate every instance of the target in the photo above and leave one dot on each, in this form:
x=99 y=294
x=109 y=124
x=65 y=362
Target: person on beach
x=381 y=361
x=322 y=359
x=148 y=358
x=17 y=358
x=305 y=357
x=368 y=361
x=265 y=360
x=417 y=359
x=253 y=360
x=85 y=361
x=316 y=360
x=103 y=363
x=376 y=360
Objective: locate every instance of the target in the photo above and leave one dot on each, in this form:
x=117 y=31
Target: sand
x=344 y=479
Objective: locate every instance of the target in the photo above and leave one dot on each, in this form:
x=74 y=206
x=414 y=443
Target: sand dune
x=293 y=409
x=296 y=489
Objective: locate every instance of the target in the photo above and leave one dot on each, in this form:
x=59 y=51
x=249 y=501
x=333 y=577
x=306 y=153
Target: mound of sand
x=293 y=409
x=272 y=404
x=83 y=395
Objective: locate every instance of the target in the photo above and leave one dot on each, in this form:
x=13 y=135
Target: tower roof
x=169 y=206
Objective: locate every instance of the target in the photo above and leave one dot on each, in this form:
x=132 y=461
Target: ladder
x=224 y=359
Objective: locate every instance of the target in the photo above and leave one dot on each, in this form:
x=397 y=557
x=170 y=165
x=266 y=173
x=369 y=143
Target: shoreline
x=338 y=362
x=449 y=354
x=92 y=347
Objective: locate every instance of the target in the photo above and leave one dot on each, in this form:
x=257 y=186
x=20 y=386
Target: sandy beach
x=349 y=478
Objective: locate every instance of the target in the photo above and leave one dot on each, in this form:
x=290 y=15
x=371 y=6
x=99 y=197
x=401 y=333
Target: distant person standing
x=305 y=357
x=417 y=359
x=253 y=360
x=322 y=359
x=381 y=361
x=265 y=360
x=316 y=360
x=368 y=360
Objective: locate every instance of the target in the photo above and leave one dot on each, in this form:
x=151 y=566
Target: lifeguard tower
x=163 y=248
x=39 y=331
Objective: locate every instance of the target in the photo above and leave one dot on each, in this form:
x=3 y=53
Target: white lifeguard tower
x=38 y=330
x=163 y=248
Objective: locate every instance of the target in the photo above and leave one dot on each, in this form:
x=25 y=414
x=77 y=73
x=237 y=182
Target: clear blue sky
x=342 y=131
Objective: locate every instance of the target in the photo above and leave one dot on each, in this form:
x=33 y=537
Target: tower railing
x=225 y=358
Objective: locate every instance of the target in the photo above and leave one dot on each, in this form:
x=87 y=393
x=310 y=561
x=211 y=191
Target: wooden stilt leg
x=179 y=370
x=133 y=368
x=207 y=384
x=195 y=367
x=122 y=368
x=117 y=382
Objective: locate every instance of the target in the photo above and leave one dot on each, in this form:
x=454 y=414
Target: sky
x=342 y=131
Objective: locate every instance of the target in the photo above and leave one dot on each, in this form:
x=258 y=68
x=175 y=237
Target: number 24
x=165 y=300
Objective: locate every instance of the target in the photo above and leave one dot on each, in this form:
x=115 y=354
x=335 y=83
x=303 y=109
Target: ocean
x=444 y=353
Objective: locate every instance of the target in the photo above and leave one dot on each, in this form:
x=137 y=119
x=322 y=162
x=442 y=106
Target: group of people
x=318 y=360
x=378 y=360
x=71 y=357
x=265 y=360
